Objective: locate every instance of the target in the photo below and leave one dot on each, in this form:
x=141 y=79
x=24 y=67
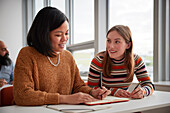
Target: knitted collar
x=118 y=61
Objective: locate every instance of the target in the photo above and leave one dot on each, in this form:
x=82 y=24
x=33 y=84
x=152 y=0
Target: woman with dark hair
x=45 y=73
x=118 y=65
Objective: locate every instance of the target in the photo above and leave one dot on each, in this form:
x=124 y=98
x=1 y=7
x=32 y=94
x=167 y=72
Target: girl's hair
x=47 y=19
x=125 y=32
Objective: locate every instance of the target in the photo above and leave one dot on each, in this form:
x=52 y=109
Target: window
x=81 y=42
x=59 y=4
x=39 y=4
x=161 y=40
x=138 y=15
x=83 y=20
x=83 y=60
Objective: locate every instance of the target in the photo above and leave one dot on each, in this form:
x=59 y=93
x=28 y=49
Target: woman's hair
x=47 y=19
x=125 y=32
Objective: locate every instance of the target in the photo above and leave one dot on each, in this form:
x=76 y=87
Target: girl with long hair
x=119 y=64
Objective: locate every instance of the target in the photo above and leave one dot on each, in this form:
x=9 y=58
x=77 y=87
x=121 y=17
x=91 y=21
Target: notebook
x=76 y=108
x=88 y=106
x=107 y=100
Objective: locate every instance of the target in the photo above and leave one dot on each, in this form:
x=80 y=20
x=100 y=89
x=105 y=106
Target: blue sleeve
x=12 y=73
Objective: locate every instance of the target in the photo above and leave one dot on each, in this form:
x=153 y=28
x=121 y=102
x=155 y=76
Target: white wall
x=11 y=26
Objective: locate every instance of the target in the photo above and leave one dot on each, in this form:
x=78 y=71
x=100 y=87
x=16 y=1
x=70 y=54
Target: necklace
x=57 y=61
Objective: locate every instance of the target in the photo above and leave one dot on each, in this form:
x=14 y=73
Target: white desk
x=158 y=100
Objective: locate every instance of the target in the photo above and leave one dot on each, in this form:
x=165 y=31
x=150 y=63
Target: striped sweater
x=119 y=74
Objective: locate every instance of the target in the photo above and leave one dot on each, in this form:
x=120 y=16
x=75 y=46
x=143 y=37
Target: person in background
x=6 y=66
x=45 y=73
x=119 y=64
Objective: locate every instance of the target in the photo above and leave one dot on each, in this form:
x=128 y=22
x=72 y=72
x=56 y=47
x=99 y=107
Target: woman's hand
x=76 y=98
x=122 y=93
x=97 y=93
x=138 y=93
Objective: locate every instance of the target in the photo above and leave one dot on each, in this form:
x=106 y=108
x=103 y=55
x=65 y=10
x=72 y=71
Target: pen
x=100 y=82
x=137 y=85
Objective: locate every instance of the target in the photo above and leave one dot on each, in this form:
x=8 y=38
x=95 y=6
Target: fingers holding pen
x=104 y=92
x=137 y=93
x=97 y=93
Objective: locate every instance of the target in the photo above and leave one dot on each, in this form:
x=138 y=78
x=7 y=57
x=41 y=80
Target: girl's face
x=59 y=37
x=116 y=45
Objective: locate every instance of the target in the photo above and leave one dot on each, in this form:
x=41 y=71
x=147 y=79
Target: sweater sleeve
x=26 y=91
x=94 y=73
x=12 y=73
x=142 y=75
x=79 y=85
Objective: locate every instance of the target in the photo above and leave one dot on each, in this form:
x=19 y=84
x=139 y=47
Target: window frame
x=161 y=64
x=100 y=32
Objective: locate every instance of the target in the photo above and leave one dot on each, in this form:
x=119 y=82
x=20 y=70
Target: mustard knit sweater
x=37 y=82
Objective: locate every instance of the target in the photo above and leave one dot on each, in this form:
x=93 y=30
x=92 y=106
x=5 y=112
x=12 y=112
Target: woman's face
x=116 y=45
x=59 y=37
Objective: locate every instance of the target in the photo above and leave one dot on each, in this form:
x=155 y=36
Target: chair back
x=6 y=96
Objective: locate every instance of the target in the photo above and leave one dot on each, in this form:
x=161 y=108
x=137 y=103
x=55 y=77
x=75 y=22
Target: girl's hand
x=122 y=93
x=97 y=93
x=76 y=98
x=138 y=93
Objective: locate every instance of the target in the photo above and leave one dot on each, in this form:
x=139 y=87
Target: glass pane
x=83 y=20
x=59 y=4
x=83 y=59
x=39 y=4
x=138 y=15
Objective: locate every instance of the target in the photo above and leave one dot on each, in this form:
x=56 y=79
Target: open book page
x=77 y=108
x=108 y=100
